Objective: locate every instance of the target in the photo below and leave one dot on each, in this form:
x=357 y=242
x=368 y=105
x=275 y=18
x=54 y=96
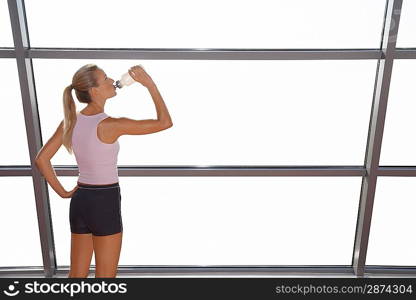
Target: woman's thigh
x=81 y=254
x=107 y=253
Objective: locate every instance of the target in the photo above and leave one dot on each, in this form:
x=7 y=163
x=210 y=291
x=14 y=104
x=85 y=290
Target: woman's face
x=105 y=87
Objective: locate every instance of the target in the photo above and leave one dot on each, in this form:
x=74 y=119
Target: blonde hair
x=83 y=79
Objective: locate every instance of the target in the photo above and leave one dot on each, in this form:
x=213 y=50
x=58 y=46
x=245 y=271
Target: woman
x=95 y=208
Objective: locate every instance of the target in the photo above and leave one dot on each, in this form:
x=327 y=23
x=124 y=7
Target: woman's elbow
x=39 y=163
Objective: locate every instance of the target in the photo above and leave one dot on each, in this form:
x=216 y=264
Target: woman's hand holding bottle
x=140 y=75
x=135 y=73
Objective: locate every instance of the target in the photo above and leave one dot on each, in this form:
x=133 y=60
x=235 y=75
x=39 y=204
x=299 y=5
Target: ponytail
x=70 y=116
x=84 y=79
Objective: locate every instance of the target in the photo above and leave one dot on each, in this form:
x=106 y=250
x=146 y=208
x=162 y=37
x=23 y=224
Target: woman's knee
x=79 y=275
x=105 y=271
x=105 y=275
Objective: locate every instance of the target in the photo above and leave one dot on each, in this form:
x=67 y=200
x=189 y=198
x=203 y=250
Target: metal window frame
x=375 y=134
x=369 y=172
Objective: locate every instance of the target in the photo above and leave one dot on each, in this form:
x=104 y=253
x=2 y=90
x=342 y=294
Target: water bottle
x=125 y=80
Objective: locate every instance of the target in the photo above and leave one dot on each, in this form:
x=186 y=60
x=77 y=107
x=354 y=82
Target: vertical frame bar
x=34 y=138
x=375 y=136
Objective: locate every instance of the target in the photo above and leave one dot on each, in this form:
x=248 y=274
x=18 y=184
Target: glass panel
x=19 y=223
x=6 y=37
x=229 y=220
x=12 y=118
x=399 y=146
x=221 y=24
x=231 y=112
x=407 y=36
x=393 y=222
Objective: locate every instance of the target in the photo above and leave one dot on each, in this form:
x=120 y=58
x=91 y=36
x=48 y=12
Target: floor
x=222 y=276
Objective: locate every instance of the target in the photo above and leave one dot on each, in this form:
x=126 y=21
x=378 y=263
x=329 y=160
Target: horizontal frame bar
x=7 y=53
x=226 y=171
x=401 y=270
x=162 y=270
x=405 y=53
x=215 y=54
x=370 y=270
x=396 y=171
x=205 y=171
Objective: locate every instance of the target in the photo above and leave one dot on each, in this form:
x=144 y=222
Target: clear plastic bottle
x=125 y=80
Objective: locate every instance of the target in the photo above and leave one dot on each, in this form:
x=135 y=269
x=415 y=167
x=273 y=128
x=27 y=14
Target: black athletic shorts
x=96 y=209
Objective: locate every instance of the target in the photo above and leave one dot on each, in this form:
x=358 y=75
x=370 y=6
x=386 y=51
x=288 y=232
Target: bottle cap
x=118 y=84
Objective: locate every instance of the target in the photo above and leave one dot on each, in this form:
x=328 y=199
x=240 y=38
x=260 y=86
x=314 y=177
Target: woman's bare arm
x=45 y=168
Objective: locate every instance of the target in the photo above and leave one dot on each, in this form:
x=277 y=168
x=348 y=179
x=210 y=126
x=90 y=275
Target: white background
x=224 y=112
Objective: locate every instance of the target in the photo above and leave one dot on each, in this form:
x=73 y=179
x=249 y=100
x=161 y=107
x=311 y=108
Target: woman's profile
x=92 y=136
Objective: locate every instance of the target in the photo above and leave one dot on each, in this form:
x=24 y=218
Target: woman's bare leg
x=81 y=254
x=107 y=253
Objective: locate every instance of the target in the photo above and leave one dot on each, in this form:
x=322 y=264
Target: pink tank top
x=97 y=161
